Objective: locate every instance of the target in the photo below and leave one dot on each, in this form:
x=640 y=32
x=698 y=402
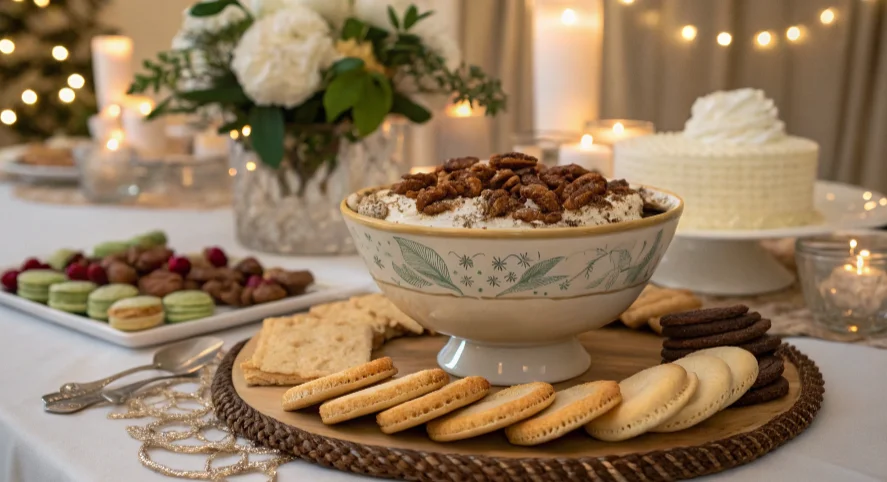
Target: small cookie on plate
x=730 y=338
x=743 y=369
x=777 y=389
x=706 y=315
x=70 y=296
x=711 y=328
x=385 y=395
x=657 y=302
x=104 y=296
x=770 y=368
x=572 y=408
x=496 y=411
x=715 y=384
x=34 y=284
x=187 y=305
x=433 y=405
x=136 y=313
x=649 y=398
x=338 y=384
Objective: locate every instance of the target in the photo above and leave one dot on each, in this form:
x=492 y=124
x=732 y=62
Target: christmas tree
x=46 y=83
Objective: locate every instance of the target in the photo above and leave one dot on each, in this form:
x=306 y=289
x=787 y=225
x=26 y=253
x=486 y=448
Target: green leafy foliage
x=268 y=134
x=208 y=9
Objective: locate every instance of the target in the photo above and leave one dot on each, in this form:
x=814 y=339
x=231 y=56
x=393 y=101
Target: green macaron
x=59 y=259
x=108 y=248
x=102 y=298
x=187 y=305
x=71 y=296
x=34 y=284
x=149 y=239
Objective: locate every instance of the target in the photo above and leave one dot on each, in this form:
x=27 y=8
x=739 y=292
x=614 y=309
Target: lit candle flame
x=568 y=17
x=586 y=142
x=618 y=128
x=852 y=246
x=145 y=108
x=113 y=144
x=860 y=262
x=113 y=110
x=462 y=109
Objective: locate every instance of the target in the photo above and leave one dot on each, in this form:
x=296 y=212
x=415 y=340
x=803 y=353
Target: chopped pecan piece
x=431 y=195
x=513 y=160
x=542 y=196
x=414 y=182
x=268 y=290
x=584 y=198
x=498 y=180
x=591 y=182
x=484 y=172
x=531 y=178
x=530 y=215
x=460 y=163
x=499 y=203
x=438 y=207
x=571 y=171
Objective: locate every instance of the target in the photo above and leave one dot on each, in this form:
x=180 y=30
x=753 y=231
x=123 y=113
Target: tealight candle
x=586 y=153
x=856 y=286
x=147 y=137
x=106 y=171
x=609 y=132
x=462 y=131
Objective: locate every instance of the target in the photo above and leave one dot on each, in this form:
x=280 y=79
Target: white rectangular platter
x=225 y=317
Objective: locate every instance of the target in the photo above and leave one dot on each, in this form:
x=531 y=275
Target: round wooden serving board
x=732 y=437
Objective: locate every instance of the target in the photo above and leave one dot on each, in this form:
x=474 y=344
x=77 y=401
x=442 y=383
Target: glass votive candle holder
x=543 y=145
x=610 y=131
x=107 y=173
x=844 y=279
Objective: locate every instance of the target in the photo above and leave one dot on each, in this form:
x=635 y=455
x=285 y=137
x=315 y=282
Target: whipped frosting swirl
x=743 y=116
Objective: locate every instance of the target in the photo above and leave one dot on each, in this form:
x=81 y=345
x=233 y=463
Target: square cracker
x=375 y=311
x=255 y=377
x=309 y=347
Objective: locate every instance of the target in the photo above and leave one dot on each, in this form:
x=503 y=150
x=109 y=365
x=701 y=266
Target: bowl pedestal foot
x=506 y=365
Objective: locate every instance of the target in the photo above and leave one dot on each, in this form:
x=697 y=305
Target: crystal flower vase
x=294 y=209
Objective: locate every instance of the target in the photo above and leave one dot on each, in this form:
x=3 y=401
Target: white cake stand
x=734 y=263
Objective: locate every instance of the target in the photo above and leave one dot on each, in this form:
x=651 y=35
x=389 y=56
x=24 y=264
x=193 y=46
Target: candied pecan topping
x=513 y=160
x=571 y=171
x=530 y=215
x=531 y=178
x=438 y=207
x=501 y=176
x=411 y=194
x=484 y=172
x=585 y=198
x=591 y=182
x=460 y=163
x=543 y=197
x=431 y=195
x=499 y=202
x=414 y=182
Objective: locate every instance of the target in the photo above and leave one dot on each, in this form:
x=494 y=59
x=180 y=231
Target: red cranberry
x=180 y=265
x=10 y=280
x=77 y=272
x=254 y=281
x=216 y=256
x=77 y=258
x=45 y=266
x=97 y=274
x=31 y=263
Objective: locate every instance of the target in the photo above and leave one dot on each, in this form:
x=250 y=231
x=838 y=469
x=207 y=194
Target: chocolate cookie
x=761 y=346
x=730 y=338
x=770 y=368
x=777 y=389
x=766 y=344
x=713 y=328
x=705 y=315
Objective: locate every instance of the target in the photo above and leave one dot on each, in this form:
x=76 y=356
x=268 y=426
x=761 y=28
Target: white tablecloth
x=847 y=441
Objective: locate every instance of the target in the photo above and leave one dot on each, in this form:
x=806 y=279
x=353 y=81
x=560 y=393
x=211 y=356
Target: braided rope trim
x=661 y=465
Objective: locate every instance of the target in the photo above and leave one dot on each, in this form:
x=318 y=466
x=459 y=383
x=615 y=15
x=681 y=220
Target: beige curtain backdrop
x=830 y=86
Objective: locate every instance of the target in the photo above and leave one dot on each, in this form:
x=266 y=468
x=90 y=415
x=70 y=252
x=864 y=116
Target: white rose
x=433 y=31
x=334 y=11
x=280 y=57
x=194 y=26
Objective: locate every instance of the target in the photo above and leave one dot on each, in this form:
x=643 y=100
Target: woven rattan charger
x=729 y=439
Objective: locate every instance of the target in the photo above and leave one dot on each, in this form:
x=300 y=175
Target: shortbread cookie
x=715 y=384
x=255 y=377
x=433 y=405
x=309 y=347
x=649 y=398
x=657 y=303
x=743 y=369
x=385 y=395
x=777 y=389
x=496 y=411
x=712 y=328
x=703 y=316
x=572 y=408
x=337 y=384
x=730 y=338
x=770 y=368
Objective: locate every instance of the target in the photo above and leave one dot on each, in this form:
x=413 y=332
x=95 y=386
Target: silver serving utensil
x=117 y=396
x=180 y=357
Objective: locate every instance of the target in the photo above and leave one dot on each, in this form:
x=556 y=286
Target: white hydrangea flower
x=334 y=11
x=280 y=57
x=435 y=34
x=193 y=26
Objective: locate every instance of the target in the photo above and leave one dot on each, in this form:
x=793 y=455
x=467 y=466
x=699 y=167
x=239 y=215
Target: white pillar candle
x=112 y=68
x=591 y=156
x=568 y=38
x=463 y=131
x=210 y=143
x=146 y=137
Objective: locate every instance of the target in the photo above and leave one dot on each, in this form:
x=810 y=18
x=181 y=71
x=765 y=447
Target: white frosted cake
x=734 y=165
